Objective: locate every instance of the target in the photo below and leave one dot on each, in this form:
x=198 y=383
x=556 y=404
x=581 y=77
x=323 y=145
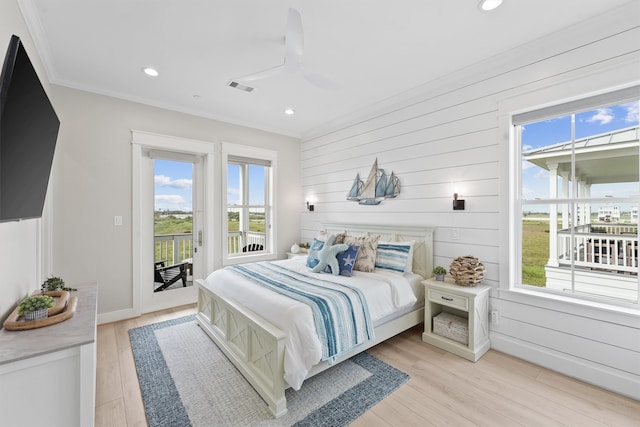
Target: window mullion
x=245 y=202
x=574 y=195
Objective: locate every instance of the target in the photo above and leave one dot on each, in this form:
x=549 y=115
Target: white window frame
x=231 y=150
x=567 y=106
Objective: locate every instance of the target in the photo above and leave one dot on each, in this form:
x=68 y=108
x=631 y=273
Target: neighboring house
x=603 y=255
x=609 y=213
x=450 y=135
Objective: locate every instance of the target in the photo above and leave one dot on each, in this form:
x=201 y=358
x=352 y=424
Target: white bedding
x=385 y=292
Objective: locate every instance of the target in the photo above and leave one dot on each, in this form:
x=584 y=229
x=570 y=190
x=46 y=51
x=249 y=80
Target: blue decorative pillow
x=346 y=261
x=394 y=256
x=312 y=256
x=327 y=256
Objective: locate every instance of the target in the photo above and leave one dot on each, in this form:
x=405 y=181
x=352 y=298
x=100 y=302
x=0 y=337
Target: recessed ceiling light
x=488 y=5
x=289 y=111
x=150 y=71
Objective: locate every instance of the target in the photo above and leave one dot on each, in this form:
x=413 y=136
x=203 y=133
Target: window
x=577 y=169
x=249 y=215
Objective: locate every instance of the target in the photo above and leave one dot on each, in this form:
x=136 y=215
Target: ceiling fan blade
x=269 y=72
x=294 y=48
x=294 y=41
x=322 y=82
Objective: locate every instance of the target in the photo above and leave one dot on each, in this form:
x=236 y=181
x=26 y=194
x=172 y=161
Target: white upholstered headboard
x=422 y=236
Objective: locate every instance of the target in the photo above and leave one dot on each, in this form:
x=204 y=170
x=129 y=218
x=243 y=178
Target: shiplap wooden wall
x=447 y=136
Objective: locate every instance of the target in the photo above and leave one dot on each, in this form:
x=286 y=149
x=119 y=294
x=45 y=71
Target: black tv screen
x=28 y=133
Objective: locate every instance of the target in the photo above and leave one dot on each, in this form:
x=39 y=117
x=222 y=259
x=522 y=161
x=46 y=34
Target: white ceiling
x=374 y=49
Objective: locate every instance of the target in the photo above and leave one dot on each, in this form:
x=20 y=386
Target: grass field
x=172 y=225
x=535 y=251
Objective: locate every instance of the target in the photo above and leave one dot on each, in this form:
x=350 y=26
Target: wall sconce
x=309 y=206
x=458 y=204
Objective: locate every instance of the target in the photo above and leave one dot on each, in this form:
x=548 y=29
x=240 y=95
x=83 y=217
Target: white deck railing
x=174 y=248
x=602 y=246
x=237 y=240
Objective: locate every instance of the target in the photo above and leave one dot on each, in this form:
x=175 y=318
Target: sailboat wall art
x=377 y=187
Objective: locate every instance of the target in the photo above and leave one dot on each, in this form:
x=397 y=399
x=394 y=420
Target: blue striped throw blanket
x=340 y=312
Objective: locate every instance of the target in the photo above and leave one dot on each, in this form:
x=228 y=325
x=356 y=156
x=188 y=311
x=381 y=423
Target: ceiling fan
x=294 y=49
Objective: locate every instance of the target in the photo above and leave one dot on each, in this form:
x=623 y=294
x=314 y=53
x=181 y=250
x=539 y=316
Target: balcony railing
x=600 y=246
x=237 y=240
x=174 y=248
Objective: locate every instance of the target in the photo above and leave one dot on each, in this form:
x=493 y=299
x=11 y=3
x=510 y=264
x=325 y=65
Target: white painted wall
x=450 y=135
x=20 y=242
x=93 y=183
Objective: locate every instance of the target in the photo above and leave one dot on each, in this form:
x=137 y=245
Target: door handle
x=200 y=238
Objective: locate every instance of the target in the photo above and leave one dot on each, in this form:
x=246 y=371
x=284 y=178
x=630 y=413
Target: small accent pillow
x=346 y=261
x=366 y=260
x=312 y=256
x=327 y=256
x=395 y=256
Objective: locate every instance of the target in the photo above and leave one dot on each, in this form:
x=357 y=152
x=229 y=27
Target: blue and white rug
x=187 y=381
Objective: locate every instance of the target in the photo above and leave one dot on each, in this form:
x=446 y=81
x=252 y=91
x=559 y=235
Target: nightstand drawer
x=451 y=300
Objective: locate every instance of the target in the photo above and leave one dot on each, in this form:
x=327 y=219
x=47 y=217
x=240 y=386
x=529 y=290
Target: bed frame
x=256 y=347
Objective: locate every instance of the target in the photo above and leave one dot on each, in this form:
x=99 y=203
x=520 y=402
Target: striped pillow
x=395 y=256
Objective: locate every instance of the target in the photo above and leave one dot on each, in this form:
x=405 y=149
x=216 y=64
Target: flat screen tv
x=28 y=133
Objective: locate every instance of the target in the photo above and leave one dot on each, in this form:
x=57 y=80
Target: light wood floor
x=444 y=389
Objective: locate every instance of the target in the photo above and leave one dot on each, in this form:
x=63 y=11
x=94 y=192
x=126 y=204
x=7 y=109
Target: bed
x=260 y=340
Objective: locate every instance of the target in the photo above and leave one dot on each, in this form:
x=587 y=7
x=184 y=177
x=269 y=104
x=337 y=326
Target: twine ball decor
x=467 y=270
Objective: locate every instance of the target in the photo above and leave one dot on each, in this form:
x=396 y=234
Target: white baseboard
x=620 y=382
x=114 y=316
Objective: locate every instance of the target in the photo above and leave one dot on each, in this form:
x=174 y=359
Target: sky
x=256 y=184
x=558 y=130
x=173 y=183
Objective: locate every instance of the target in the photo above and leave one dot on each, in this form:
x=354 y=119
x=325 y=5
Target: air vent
x=240 y=86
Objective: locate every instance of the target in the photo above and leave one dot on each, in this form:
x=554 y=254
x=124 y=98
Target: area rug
x=187 y=381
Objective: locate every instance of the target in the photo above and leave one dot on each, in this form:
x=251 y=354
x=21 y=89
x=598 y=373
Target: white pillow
x=395 y=256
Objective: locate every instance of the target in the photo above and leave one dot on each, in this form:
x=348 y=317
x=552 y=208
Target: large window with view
x=578 y=193
x=248 y=206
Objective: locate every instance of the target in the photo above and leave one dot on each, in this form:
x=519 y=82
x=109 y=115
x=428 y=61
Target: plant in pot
x=55 y=284
x=439 y=272
x=36 y=307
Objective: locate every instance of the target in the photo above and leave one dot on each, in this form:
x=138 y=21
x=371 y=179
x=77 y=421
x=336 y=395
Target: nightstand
x=460 y=306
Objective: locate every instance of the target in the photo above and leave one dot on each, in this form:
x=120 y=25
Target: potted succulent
x=55 y=284
x=439 y=272
x=36 y=307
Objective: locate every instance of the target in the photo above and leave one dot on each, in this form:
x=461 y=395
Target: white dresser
x=48 y=375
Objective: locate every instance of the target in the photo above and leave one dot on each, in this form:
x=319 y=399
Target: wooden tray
x=61 y=303
x=63 y=310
